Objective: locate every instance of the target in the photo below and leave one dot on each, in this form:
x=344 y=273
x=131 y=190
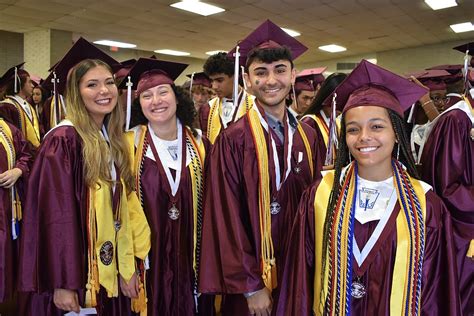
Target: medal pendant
x=297 y=169
x=117 y=225
x=173 y=213
x=358 y=290
x=275 y=208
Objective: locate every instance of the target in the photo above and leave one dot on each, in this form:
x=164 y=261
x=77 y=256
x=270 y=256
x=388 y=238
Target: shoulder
x=435 y=210
x=66 y=134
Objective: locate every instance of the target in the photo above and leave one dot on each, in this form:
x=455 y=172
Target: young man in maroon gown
x=258 y=169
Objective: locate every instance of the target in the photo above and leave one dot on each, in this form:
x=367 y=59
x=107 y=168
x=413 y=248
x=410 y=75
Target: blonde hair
x=95 y=151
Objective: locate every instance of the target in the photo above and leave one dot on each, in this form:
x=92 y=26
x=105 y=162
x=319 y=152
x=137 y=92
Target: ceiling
x=362 y=26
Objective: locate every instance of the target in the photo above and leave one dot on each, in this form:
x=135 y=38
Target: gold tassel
x=470 y=251
x=139 y=304
x=269 y=275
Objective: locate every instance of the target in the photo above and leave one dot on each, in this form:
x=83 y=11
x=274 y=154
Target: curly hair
x=185 y=110
x=268 y=55
x=95 y=151
x=219 y=63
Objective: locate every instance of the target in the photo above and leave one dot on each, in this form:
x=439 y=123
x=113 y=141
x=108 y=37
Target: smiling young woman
x=79 y=244
x=383 y=238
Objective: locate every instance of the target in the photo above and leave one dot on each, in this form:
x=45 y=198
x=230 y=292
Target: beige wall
x=11 y=50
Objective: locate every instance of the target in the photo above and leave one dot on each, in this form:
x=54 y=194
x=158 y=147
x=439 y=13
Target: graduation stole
x=110 y=252
x=332 y=293
x=214 y=124
x=29 y=128
x=195 y=147
x=322 y=127
x=6 y=141
x=269 y=275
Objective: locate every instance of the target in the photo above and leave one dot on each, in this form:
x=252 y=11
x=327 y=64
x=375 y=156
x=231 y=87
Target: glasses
x=440 y=100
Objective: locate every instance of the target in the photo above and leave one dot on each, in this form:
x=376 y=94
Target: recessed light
x=333 y=48
x=291 y=32
x=172 y=52
x=197 y=7
x=372 y=61
x=213 y=52
x=115 y=44
x=462 y=27
x=441 y=4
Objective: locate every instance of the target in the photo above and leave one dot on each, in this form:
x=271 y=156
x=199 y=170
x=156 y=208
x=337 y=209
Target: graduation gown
x=439 y=293
x=448 y=165
x=9 y=247
x=54 y=244
x=170 y=279
x=322 y=148
x=231 y=242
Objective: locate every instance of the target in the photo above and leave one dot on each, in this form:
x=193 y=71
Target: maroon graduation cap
x=313 y=74
x=82 y=49
x=123 y=69
x=268 y=35
x=369 y=84
x=11 y=74
x=199 y=79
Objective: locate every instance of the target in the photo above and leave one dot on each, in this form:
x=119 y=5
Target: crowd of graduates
x=252 y=189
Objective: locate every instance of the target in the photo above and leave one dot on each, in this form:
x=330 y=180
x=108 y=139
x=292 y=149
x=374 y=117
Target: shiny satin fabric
x=8 y=247
x=230 y=262
x=448 y=165
x=438 y=277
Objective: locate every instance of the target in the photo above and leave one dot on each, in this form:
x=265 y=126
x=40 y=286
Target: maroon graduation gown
x=8 y=246
x=203 y=114
x=53 y=252
x=231 y=252
x=448 y=165
x=170 y=279
x=439 y=292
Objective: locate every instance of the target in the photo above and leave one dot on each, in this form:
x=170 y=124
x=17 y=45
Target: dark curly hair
x=185 y=109
x=268 y=55
x=219 y=63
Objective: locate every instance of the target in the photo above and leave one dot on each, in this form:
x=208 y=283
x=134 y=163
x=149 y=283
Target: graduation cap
x=123 y=69
x=13 y=74
x=313 y=74
x=369 y=84
x=433 y=79
x=199 y=79
x=268 y=35
x=81 y=50
x=147 y=73
x=452 y=69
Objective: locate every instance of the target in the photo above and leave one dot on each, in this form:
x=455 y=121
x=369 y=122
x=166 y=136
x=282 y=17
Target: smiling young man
x=222 y=110
x=258 y=170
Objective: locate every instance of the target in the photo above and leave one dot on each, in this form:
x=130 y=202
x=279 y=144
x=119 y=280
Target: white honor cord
x=174 y=183
x=291 y=132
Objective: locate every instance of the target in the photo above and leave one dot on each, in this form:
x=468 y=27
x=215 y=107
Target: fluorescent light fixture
x=372 y=61
x=441 y=4
x=291 y=32
x=115 y=44
x=462 y=27
x=213 y=52
x=333 y=48
x=172 y=52
x=197 y=7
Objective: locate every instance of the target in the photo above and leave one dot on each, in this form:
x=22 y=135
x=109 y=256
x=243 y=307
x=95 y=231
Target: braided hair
x=342 y=160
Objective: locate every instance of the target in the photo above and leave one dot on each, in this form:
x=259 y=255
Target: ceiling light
x=462 y=27
x=333 y=48
x=213 y=52
x=372 y=61
x=441 y=4
x=291 y=32
x=197 y=7
x=115 y=44
x=172 y=52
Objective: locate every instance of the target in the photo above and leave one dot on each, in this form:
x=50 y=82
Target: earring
x=398 y=151
x=350 y=158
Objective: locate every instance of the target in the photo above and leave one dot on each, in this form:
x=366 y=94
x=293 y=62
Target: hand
x=130 y=289
x=66 y=300
x=260 y=304
x=426 y=97
x=9 y=177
